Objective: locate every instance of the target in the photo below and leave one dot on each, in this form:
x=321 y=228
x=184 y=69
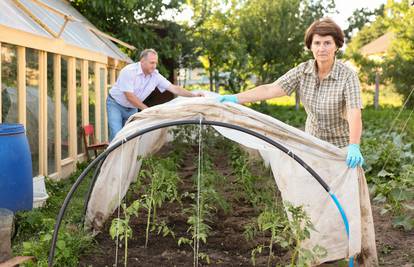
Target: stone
x=6 y=223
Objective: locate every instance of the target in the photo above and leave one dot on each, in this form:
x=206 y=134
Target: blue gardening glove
x=354 y=157
x=227 y=98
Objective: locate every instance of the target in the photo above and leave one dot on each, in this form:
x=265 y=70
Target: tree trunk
x=210 y=73
x=376 y=95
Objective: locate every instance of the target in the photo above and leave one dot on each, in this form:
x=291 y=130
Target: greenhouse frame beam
x=33 y=16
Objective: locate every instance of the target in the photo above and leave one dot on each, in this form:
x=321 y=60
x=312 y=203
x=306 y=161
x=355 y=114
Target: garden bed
x=226 y=242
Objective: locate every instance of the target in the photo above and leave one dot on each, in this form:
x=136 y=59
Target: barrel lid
x=11 y=128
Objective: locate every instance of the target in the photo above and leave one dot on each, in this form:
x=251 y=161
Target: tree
x=359 y=18
x=367 y=67
x=273 y=39
x=400 y=61
x=274 y=33
x=213 y=31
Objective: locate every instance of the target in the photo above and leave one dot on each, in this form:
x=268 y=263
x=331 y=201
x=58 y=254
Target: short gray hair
x=147 y=51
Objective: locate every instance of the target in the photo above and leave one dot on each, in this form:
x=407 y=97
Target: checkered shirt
x=326 y=101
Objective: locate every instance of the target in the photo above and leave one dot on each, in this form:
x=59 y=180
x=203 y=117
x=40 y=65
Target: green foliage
x=391 y=175
x=242 y=39
x=162 y=188
x=400 y=61
x=257 y=190
x=287 y=233
x=387 y=146
x=120 y=227
x=139 y=23
x=360 y=17
x=35 y=228
x=367 y=66
x=273 y=33
x=389 y=153
x=397 y=64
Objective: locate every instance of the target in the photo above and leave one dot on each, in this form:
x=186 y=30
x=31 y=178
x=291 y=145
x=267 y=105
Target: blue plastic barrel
x=16 y=180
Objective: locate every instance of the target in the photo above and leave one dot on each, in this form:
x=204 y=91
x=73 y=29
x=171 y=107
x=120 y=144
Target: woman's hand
x=354 y=157
x=227 y=98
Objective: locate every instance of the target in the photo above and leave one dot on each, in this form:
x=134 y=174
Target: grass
x=387 y=97
x=35 y=228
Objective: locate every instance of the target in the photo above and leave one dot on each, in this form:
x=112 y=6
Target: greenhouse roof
x=58 y=19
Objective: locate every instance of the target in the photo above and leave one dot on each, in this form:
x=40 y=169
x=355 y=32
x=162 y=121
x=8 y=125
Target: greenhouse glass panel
x=64 y=106
x=51 y=114
x=103 y=104
x=32 y=105
x=92 y=99
x=79 y=122
x=9 y=97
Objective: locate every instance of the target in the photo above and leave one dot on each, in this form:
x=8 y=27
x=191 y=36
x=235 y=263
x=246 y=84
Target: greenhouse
x=55 y=71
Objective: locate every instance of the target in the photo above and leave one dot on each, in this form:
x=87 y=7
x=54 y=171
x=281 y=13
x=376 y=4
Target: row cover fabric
x=296 y=184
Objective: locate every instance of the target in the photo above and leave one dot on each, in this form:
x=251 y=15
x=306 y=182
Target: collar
x=311 y=69
x=139 y=70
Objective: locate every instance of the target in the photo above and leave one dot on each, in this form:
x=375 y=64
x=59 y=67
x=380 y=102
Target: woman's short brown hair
x=324 y=27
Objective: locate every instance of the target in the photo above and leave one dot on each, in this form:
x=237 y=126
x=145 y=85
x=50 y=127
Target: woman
x=328 y=89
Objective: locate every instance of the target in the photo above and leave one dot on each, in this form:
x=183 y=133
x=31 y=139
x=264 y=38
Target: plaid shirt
x=326 y=101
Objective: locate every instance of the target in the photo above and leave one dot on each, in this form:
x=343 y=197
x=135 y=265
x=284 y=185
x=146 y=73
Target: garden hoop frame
x=100 y=159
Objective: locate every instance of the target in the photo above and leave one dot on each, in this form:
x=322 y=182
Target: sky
x=346 y=7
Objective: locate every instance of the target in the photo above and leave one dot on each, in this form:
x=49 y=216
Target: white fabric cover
x=295 y=183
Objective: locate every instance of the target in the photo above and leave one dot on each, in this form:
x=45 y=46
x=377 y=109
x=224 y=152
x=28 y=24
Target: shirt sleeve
x=352 y=92
x=290 y=80
x=125 y=82
x=163 y=84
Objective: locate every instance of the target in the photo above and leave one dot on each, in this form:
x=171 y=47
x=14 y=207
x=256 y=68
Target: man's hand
x=227 y=98
x=354 y=157
x=197 y=94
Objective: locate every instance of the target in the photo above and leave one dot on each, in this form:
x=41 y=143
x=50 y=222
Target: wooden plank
x=42 y=113
x=56 y=11
x=85 y=91
x=112 y=76
x=104 y=105
x=98 y=32
x=34 y=17
x=21 y=84
x=49 y=44
x=97 y=88
x=57 y=83
x=72 y=108
x=16 y=261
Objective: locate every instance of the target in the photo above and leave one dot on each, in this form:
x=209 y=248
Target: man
x=134 y=84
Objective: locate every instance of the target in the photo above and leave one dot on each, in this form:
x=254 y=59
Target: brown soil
x=395 y=246
x=226 y=244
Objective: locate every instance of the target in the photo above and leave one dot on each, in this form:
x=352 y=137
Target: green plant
x=35 y=228
x=120 y=227
x=390 y=174
x=163 y=187
x=288 y=234
x=300 y=226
